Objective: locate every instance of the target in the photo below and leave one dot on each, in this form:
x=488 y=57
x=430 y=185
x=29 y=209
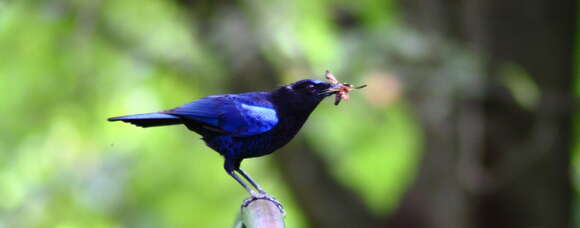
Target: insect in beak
x=341 y=89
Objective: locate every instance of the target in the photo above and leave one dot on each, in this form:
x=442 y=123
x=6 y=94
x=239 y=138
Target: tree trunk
x=490 y=159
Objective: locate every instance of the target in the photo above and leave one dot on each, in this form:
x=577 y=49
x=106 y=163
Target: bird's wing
x=237 y=115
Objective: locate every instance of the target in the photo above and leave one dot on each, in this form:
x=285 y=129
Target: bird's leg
x=262 y=194
x=230 y=167
x=252 y=182
x=252 y=192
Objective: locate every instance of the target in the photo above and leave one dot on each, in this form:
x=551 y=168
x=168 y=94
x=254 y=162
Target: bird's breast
x=244 y=147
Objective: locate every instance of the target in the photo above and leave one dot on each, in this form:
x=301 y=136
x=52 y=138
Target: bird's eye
x=311 y=88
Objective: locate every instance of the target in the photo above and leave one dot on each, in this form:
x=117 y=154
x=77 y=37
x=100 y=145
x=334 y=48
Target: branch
x=260 y=213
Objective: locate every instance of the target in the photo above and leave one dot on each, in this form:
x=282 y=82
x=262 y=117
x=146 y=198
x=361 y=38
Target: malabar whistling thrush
x=245 y=125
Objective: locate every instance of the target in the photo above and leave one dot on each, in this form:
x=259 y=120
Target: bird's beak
x=332 y=89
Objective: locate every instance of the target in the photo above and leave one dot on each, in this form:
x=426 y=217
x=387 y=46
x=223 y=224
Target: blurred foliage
x=68 y=65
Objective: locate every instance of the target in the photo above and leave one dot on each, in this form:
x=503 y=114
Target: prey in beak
x=341 y=89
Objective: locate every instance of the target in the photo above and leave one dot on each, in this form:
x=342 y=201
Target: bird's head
x=307 y=93
x=304 y=95
x=310 y=90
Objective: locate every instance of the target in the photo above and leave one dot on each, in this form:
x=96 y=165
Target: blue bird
x=245 y=125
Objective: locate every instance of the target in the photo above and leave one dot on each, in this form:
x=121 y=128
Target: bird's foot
x=265 y=196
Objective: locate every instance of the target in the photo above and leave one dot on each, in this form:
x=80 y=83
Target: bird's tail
x=149 y=119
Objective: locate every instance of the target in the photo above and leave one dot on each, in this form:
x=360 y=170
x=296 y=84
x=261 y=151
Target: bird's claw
x=265 y=196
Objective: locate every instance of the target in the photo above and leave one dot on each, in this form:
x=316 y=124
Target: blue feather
x=239 y=114
x=154 y=115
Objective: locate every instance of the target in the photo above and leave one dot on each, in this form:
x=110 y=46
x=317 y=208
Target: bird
x=245 y=125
